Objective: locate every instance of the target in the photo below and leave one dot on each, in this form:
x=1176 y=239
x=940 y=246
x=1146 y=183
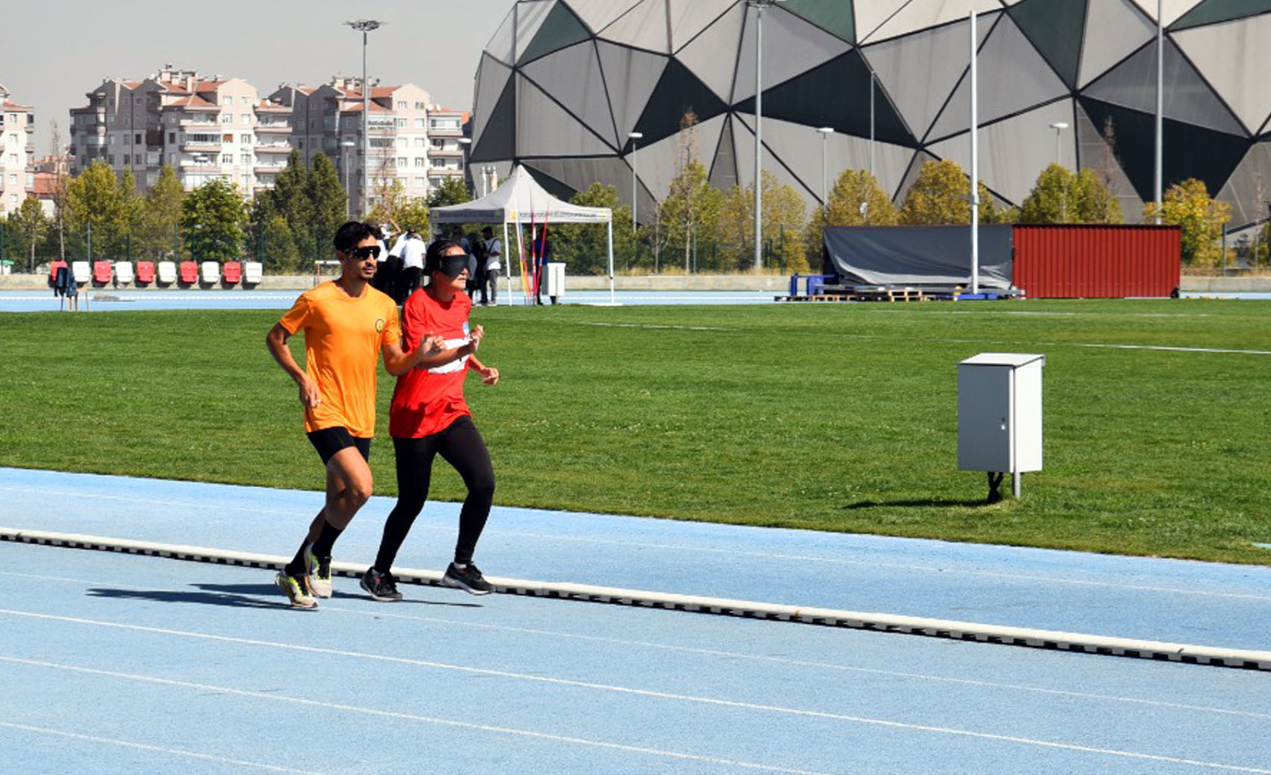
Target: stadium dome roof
x=564 y=83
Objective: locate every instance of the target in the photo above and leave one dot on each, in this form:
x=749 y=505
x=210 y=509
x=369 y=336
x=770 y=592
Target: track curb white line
x=882 y=622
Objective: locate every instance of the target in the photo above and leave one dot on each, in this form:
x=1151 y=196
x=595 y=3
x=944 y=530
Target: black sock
x=296 y=567
x=326 y=540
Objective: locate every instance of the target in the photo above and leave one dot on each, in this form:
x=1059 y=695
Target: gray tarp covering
x=917 y=255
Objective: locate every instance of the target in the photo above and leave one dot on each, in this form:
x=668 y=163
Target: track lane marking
x=157 y=749
x=381 y=614
x=408 y=716
x=712 y=701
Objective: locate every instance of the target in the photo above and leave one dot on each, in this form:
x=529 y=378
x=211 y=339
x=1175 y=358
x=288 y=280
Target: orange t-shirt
x=343 y=337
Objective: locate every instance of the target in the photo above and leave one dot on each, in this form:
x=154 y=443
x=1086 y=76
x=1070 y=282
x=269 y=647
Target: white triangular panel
x=1015 y=151
x=630 y=77
x=1249 y=187
x=742 y=123
x=791 y=46
x=1114 y=29
x=529 y=17
x=1226 y=54
x=598 y=14
x=935 y=58
x=643 y=27
x=712 y=55
x=573 y=75
x=872 y=14
x=1171 y=9
x=690 y=17
x=500 y=46
x=1132 y=84
x=800 y=148
x=922 y=14
x=545 y=129
x=658 y=163
x=1013 y=77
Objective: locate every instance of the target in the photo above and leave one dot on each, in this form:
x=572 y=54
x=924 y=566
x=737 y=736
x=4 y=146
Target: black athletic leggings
x=461 y=445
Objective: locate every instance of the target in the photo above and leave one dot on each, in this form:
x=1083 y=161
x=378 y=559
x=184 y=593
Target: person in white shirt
x=493 y=263
x=413 y=249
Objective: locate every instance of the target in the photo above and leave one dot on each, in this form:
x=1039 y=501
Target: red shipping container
x=1097 y=261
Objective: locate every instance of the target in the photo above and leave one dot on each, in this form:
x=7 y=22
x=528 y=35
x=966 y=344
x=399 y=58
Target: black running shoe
x=380 y=586
x=469 y=579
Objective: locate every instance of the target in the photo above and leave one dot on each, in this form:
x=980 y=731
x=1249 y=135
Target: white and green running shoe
x=319 y=573
x=296 y=589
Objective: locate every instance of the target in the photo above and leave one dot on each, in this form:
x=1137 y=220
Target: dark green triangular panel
x=561 y=28
x=1054 y=27
x=1214 y=11
x=678 y=91
x=1189 y=151
x=833 y=16
x=803 y=100
x=498 y=139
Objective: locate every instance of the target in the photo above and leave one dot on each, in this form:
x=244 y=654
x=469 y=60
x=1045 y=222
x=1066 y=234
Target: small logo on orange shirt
x=379 y=326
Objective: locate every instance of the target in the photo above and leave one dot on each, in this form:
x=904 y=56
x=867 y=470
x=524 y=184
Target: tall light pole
x=344 y=163
x=759 y=6
x=975 y=161
x=635 y=142
x=825 y=131
x=365 y=26
x=1160 y=104
x=1059 y=127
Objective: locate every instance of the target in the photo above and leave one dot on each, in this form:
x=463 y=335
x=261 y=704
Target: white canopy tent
x=518 y=201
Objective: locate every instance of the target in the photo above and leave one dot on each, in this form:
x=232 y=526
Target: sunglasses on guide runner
x=361 y=254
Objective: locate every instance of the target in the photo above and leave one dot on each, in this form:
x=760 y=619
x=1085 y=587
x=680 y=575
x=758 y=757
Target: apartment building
x=204 y=128
x=411 y=141
x=17 y=152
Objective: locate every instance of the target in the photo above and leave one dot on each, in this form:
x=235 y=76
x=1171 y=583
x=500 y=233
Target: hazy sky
x=52 y=52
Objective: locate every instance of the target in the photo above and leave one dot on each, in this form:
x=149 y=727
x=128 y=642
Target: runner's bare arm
x=397 y=361
x=489 y=374
x=276 y=343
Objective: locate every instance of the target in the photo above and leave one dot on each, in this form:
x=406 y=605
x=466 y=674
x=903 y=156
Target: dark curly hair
x=351 y=233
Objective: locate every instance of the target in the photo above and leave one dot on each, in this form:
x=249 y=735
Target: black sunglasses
x=361 y=254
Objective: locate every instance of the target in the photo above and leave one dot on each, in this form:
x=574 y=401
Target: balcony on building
x=272 y=124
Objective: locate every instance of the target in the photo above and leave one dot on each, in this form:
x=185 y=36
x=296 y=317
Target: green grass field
x=830 y=417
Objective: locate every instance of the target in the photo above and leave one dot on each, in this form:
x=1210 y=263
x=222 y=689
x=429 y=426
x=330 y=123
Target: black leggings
x=461 y=445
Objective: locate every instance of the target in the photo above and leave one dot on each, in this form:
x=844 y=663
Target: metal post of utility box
x=1000 y=416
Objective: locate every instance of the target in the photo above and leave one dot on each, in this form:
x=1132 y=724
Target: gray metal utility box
x=1000 y=413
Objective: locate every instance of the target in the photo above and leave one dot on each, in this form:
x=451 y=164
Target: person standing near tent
x=493 y=263
x=429 y=416
x=347 y=326
x=541 y=250
x=412 y=266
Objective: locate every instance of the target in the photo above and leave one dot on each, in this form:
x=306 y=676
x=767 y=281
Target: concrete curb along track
x=914 y=625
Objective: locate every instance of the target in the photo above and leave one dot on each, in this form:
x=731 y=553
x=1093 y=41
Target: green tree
x=585 y=246
x=855 y=200
x=212 y=220
x=26 y=227
x=161 y=210
x=1095 y=200
x=689 y=214
x=133 y=213
x=326 y=204
x=784 y=222
x=1059 y=196
x=94 y=206
x=413 y=214
x=289 y=198
x=1189 y=206
x=452 y=191
x=278 y=246
x=940 y=195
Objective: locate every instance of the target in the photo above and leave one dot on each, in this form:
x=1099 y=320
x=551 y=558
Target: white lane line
x=379 y=613
x=712 y=701
x=678 y=755
x=411 y=717
x=940 y=569
x=157 y=749
x=1172 y=349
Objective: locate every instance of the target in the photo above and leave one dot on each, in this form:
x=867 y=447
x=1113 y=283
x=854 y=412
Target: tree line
x=696 y=227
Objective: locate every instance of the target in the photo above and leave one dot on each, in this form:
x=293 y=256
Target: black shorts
x=329 y=441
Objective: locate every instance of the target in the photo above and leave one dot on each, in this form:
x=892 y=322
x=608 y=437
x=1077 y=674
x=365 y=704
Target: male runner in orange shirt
x=347 y=325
